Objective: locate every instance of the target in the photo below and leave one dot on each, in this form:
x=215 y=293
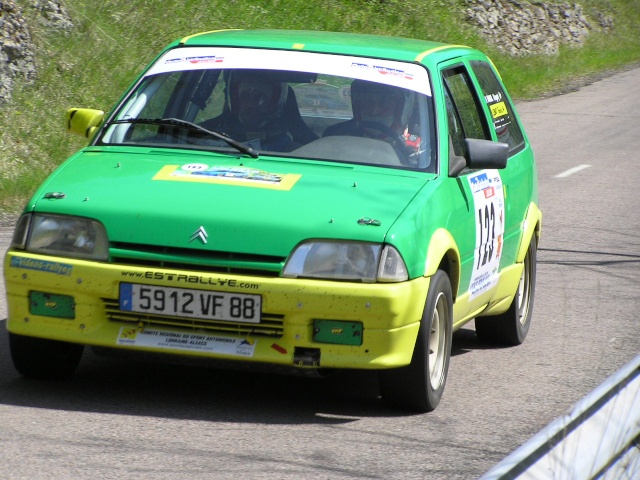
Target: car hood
x=264 y=206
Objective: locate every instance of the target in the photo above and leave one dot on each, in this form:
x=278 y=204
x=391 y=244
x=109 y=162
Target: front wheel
x=419 y=385
x=511 y=327
x=44 y=359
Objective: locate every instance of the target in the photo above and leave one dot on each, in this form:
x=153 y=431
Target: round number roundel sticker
x=194 y=167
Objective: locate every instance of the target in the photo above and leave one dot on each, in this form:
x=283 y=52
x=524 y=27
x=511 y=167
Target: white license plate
x=185 y=302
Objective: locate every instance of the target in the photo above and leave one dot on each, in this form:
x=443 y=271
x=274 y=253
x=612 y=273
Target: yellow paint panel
x=392 y=310
x=436 y=49
x=189 y=37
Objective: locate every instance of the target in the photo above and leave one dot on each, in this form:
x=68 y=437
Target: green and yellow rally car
x=309 y=200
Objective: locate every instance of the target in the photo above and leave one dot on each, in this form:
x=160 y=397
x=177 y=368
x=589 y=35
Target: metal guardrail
x=599 y=438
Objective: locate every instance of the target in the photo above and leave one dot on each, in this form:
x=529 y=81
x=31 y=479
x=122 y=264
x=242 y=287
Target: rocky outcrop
x=52 y=15
x=516 y=27
x=16 y=48
x=523 y=28
x=16 y=51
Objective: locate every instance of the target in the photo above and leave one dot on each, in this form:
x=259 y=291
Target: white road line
x=571 y=171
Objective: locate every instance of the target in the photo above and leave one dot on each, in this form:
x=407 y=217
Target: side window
x=456 y=134
x=504 y=122
x=463 y=100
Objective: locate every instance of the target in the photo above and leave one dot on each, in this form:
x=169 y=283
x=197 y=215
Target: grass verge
x=113 y=40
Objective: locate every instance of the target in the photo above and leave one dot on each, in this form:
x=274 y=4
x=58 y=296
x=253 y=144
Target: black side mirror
x=486 y=154
x=480 y=154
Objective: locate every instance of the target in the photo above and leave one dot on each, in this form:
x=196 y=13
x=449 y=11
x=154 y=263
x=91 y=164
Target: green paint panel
x=334 y=331
x=51 y=305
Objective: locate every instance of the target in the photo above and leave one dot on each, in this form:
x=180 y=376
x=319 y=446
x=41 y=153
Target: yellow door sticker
x=498 y=109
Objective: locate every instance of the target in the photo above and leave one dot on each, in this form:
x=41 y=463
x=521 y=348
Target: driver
x=381 y=112
x=254 y=111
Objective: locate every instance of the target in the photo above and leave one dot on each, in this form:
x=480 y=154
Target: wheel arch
x=532 y=225
x=443 y=254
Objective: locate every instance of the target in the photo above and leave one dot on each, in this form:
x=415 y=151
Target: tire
x=419 y=386
x=44 y=359
x=511 y=327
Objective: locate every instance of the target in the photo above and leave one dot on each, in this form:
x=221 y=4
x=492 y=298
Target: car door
x=518 y=179
x=479 y=228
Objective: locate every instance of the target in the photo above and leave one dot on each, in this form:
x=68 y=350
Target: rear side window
x=504 y=121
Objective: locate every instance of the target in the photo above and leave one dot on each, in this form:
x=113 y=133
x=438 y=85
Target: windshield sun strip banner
x=400 y=74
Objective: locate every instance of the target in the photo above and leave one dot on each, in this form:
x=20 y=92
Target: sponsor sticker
x=383 y=70
x=56 y=268
x=191 y=342
x=498 y=109
x=205 y=59
x=488 y=200
x=238 y=176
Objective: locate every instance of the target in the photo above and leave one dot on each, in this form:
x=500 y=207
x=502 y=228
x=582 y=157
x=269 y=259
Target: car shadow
x=143 y=385
x=161 y=388
x=465 y=340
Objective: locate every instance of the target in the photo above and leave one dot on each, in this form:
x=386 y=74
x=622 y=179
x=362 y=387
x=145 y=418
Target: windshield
x=285 y=103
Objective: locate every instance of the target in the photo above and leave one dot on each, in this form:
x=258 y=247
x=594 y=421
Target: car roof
x=374 y=46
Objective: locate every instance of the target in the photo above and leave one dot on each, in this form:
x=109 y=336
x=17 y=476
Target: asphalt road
x=136 y=419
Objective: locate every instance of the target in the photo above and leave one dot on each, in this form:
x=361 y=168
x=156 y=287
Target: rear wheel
x=44 y=359
x=511 y=327
x=419 y=385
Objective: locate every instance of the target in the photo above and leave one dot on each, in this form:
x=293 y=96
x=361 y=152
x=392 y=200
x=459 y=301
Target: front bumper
x=84 y=308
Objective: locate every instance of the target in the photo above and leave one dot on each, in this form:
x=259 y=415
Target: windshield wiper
x=176 y=122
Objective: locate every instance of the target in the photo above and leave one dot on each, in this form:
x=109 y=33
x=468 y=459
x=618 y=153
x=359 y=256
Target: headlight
x=392 y=267
x=62 y=235
x=336 y=260
x=20 y=232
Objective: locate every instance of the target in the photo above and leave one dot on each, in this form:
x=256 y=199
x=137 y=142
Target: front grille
x=270 y=325
x=196 y=260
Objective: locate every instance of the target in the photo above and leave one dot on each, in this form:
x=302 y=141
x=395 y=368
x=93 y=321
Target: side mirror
x=83 y=121
x=483 y=154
